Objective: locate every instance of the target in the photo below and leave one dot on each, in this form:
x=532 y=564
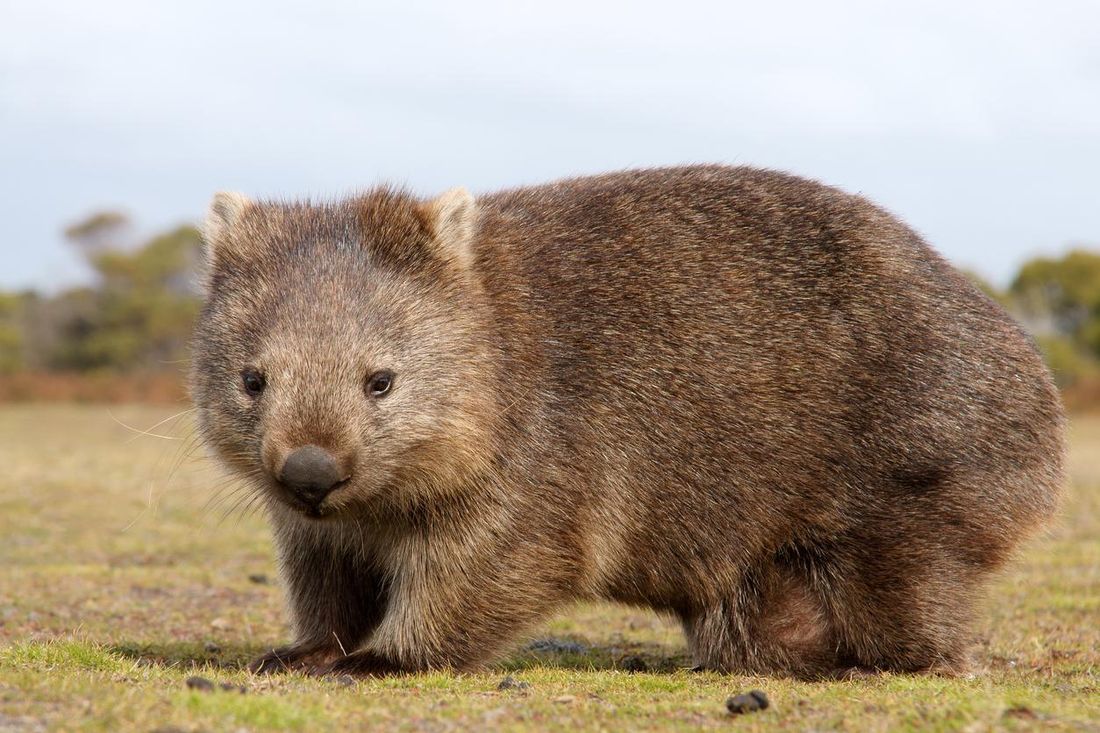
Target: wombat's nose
x=311 y=473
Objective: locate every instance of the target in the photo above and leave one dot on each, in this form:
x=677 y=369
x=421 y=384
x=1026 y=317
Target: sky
x=977 y=122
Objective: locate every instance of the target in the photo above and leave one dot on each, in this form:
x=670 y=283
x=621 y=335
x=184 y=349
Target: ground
x=125 y=571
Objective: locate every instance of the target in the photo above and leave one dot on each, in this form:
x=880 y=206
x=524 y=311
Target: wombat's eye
x=253 y=382
x=379 y=383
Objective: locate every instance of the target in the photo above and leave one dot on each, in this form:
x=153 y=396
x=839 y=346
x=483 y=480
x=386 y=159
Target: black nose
x=311 y=473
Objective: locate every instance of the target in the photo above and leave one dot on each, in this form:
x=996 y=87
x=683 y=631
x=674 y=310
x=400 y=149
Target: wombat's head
x=341 y=360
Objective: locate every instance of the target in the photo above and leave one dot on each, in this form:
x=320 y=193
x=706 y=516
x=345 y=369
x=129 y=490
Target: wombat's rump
x=746 y=399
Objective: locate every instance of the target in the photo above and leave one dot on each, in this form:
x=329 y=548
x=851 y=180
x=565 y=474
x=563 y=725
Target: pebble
x=511 y=683
x=211 y=647
x=1021 y=712
x=749 y=702
x=634 y=664
x=259 y=579
x=204 y=685
x=556 y=646
x=200 y=683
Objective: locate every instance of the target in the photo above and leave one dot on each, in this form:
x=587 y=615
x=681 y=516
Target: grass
x=120 y=579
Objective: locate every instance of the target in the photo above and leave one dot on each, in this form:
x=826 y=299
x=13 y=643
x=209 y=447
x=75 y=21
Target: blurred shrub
x=138 y=315
x=1062 y=295
x=1069 y=363
x=11 y=333
x=1058 y=300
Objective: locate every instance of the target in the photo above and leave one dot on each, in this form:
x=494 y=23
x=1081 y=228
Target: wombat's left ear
x=453 y=216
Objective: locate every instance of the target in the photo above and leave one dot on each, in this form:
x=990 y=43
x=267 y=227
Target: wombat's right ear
x=224 y=212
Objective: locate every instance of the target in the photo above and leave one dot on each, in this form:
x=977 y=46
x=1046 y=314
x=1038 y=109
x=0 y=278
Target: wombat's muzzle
x=311 y=473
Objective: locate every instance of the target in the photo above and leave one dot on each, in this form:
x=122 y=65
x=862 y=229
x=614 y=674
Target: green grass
x=121 y=578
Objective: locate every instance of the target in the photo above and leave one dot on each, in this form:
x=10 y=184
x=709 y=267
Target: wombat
x=746 y=399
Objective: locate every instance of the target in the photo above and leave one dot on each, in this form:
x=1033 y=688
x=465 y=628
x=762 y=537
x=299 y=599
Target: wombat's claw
x=270 y=663
x=361 y=664
x=291 y=659
x=852 y=673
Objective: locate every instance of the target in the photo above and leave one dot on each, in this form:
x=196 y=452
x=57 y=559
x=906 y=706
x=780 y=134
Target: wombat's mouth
x=317 y=510
x=316 y=513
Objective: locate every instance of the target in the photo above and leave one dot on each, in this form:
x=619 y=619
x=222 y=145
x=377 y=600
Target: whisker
x=157 y=425
x=138 y=431
x=218 y=499
x=186 y=452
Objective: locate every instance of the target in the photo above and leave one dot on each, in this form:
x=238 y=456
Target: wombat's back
x=762 y=366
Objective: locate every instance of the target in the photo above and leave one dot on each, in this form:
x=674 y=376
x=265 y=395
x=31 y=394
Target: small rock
x=211 y=647
x=565 y=699
x=1021 y=712
x=230 y=687
x=747 y=703
x=346 y=680
x=511 y=683
x=259 y=579
x=556 y=646
x=220 y=624
x=200 y=683
x=634 y=664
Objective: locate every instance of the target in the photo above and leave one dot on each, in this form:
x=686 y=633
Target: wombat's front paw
x=310 y=660
x=363 y=664
x=853 y=673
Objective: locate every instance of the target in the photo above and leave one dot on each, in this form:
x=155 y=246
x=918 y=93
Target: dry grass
x=118 y=584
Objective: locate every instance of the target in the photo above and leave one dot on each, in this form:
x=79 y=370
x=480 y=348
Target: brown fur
x=743 y=398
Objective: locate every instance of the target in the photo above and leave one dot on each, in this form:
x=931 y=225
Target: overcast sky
x=978 y=122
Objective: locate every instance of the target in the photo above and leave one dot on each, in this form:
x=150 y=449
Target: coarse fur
x=743 y=398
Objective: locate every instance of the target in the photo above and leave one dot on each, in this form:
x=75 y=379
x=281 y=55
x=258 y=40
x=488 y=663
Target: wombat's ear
x=224 y=212
x=452 y=217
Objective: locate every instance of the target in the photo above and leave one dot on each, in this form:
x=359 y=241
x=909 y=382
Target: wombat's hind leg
x=902 y=605
x=775 y=623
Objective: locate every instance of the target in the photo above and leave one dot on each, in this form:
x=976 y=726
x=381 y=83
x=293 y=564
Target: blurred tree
x=1062 y=296
x=99 y=232
x=1058 y=300
x=1068 y=363
x=140 y=316
x=11 y=333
